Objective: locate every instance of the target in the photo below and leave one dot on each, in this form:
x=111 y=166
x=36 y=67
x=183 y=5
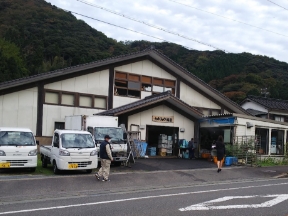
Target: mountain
x=37 y=37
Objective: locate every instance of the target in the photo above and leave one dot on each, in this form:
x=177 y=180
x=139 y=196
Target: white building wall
x=19 y=109
x=145 y=118
x=194 y=98
x=52 y=114
x=252 y=105
x=95 y=83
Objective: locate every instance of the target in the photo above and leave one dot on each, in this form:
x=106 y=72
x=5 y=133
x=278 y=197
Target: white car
x=18 y=148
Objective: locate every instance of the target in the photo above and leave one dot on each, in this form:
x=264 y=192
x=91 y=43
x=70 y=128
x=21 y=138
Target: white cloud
x=211 y=29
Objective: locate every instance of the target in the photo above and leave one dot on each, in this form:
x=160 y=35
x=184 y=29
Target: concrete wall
x=145 y=118
x=19 y=109
x=194 y=98
x=95 y=83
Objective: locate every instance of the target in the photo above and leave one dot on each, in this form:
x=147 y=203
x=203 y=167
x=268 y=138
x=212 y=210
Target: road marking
x=278 y=198
x=138 y=198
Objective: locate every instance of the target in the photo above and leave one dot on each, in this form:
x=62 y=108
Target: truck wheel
x=33 y=169
x=89 y=171
x=44 y=162
x=55 y=168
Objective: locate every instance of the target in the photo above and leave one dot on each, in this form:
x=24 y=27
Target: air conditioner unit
x=182 y=129
x=249 y=124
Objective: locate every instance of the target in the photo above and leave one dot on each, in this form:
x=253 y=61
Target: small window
x=121 y=83
x=59 y=125
x=134 y=85
x=132 y=93
x=52 y=97
x=56 y=139
x=146 y=87
x=120 y=92
x=158 y=88
x=67 y=99
x=85 y=101
x=100 y=103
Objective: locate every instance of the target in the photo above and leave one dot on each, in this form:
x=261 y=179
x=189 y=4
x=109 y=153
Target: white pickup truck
x=70 y=150
x=17 y=148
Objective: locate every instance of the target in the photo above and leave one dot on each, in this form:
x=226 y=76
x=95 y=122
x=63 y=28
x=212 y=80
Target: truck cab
x=118 y=144
x=70 y=150
x=18 y=148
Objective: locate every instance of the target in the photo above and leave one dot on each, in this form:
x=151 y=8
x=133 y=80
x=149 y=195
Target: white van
x=18 y=148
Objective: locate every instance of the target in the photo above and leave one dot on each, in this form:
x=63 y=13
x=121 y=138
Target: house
x=269 y=108
x=146 y=90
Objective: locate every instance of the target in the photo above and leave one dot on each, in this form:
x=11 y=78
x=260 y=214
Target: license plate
x=72 y=166
x=4 y=165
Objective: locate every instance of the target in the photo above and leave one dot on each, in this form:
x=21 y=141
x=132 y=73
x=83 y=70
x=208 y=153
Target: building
x=269 y=108
x=146 y=90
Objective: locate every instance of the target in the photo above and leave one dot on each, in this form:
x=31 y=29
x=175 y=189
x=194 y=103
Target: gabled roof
x=269 y=103
x=256 y=112
x=151 y=100
x=151 y=54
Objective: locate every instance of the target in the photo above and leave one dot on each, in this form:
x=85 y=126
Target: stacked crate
x=169 y=145
x=162 y=144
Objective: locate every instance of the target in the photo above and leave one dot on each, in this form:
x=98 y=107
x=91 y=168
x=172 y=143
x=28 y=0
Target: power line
x=277 y=5
x=148 y=24
x=248 y=58
x=126 y=28
x=230 y=18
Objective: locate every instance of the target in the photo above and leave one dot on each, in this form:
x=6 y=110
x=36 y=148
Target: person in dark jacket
x=106 y=158
x=191 y=148
x=220 y=147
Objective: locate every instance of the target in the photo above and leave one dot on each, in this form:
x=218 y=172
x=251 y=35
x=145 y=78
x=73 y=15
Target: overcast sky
x=196 y=24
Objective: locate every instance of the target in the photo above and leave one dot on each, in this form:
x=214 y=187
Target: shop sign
x=163 y=119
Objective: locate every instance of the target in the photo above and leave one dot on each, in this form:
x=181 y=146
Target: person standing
x=106 y=158
x=191 y=147
x=220 y=147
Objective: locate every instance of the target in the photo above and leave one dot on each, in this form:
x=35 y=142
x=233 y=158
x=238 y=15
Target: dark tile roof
x=256 y=112
x=105 y=62
x=150 y=100
x=270 y=103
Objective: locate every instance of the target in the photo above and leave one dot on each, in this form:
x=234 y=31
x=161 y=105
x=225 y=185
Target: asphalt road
x=155 y=193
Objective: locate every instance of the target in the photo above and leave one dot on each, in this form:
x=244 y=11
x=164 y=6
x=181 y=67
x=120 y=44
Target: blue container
x=185 y=155
x=229 y=161
x=151 y=151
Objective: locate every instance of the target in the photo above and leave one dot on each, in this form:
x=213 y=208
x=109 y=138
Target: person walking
x=106 y=158
x=220 y=147
x=191 y=147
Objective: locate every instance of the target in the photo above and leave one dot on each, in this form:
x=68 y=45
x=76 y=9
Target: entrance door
x=153 y=132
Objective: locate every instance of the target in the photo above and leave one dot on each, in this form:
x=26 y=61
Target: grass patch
x=273 y=162
x=43 y=171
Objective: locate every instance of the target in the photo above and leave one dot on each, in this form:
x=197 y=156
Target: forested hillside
x=36 y=37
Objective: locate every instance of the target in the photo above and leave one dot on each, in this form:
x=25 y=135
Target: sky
x=255 y=26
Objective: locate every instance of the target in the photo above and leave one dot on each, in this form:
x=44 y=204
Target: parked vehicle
x=17 y=148
x=70 y=150
x=99 y=126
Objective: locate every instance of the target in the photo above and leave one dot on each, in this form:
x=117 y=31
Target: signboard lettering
x=163 y=119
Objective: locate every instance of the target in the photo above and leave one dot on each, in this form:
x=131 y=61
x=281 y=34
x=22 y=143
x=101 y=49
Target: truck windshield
x=77 y=141
x=16 y=138
x=115 y=133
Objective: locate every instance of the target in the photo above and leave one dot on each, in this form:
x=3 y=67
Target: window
x=52 y=97
x=56 y=140
x=100 y=103
x=59 y=125
x=85 y=101
x=67 y=99
x=279 y=118
x=131 y=85
x=75 y=99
